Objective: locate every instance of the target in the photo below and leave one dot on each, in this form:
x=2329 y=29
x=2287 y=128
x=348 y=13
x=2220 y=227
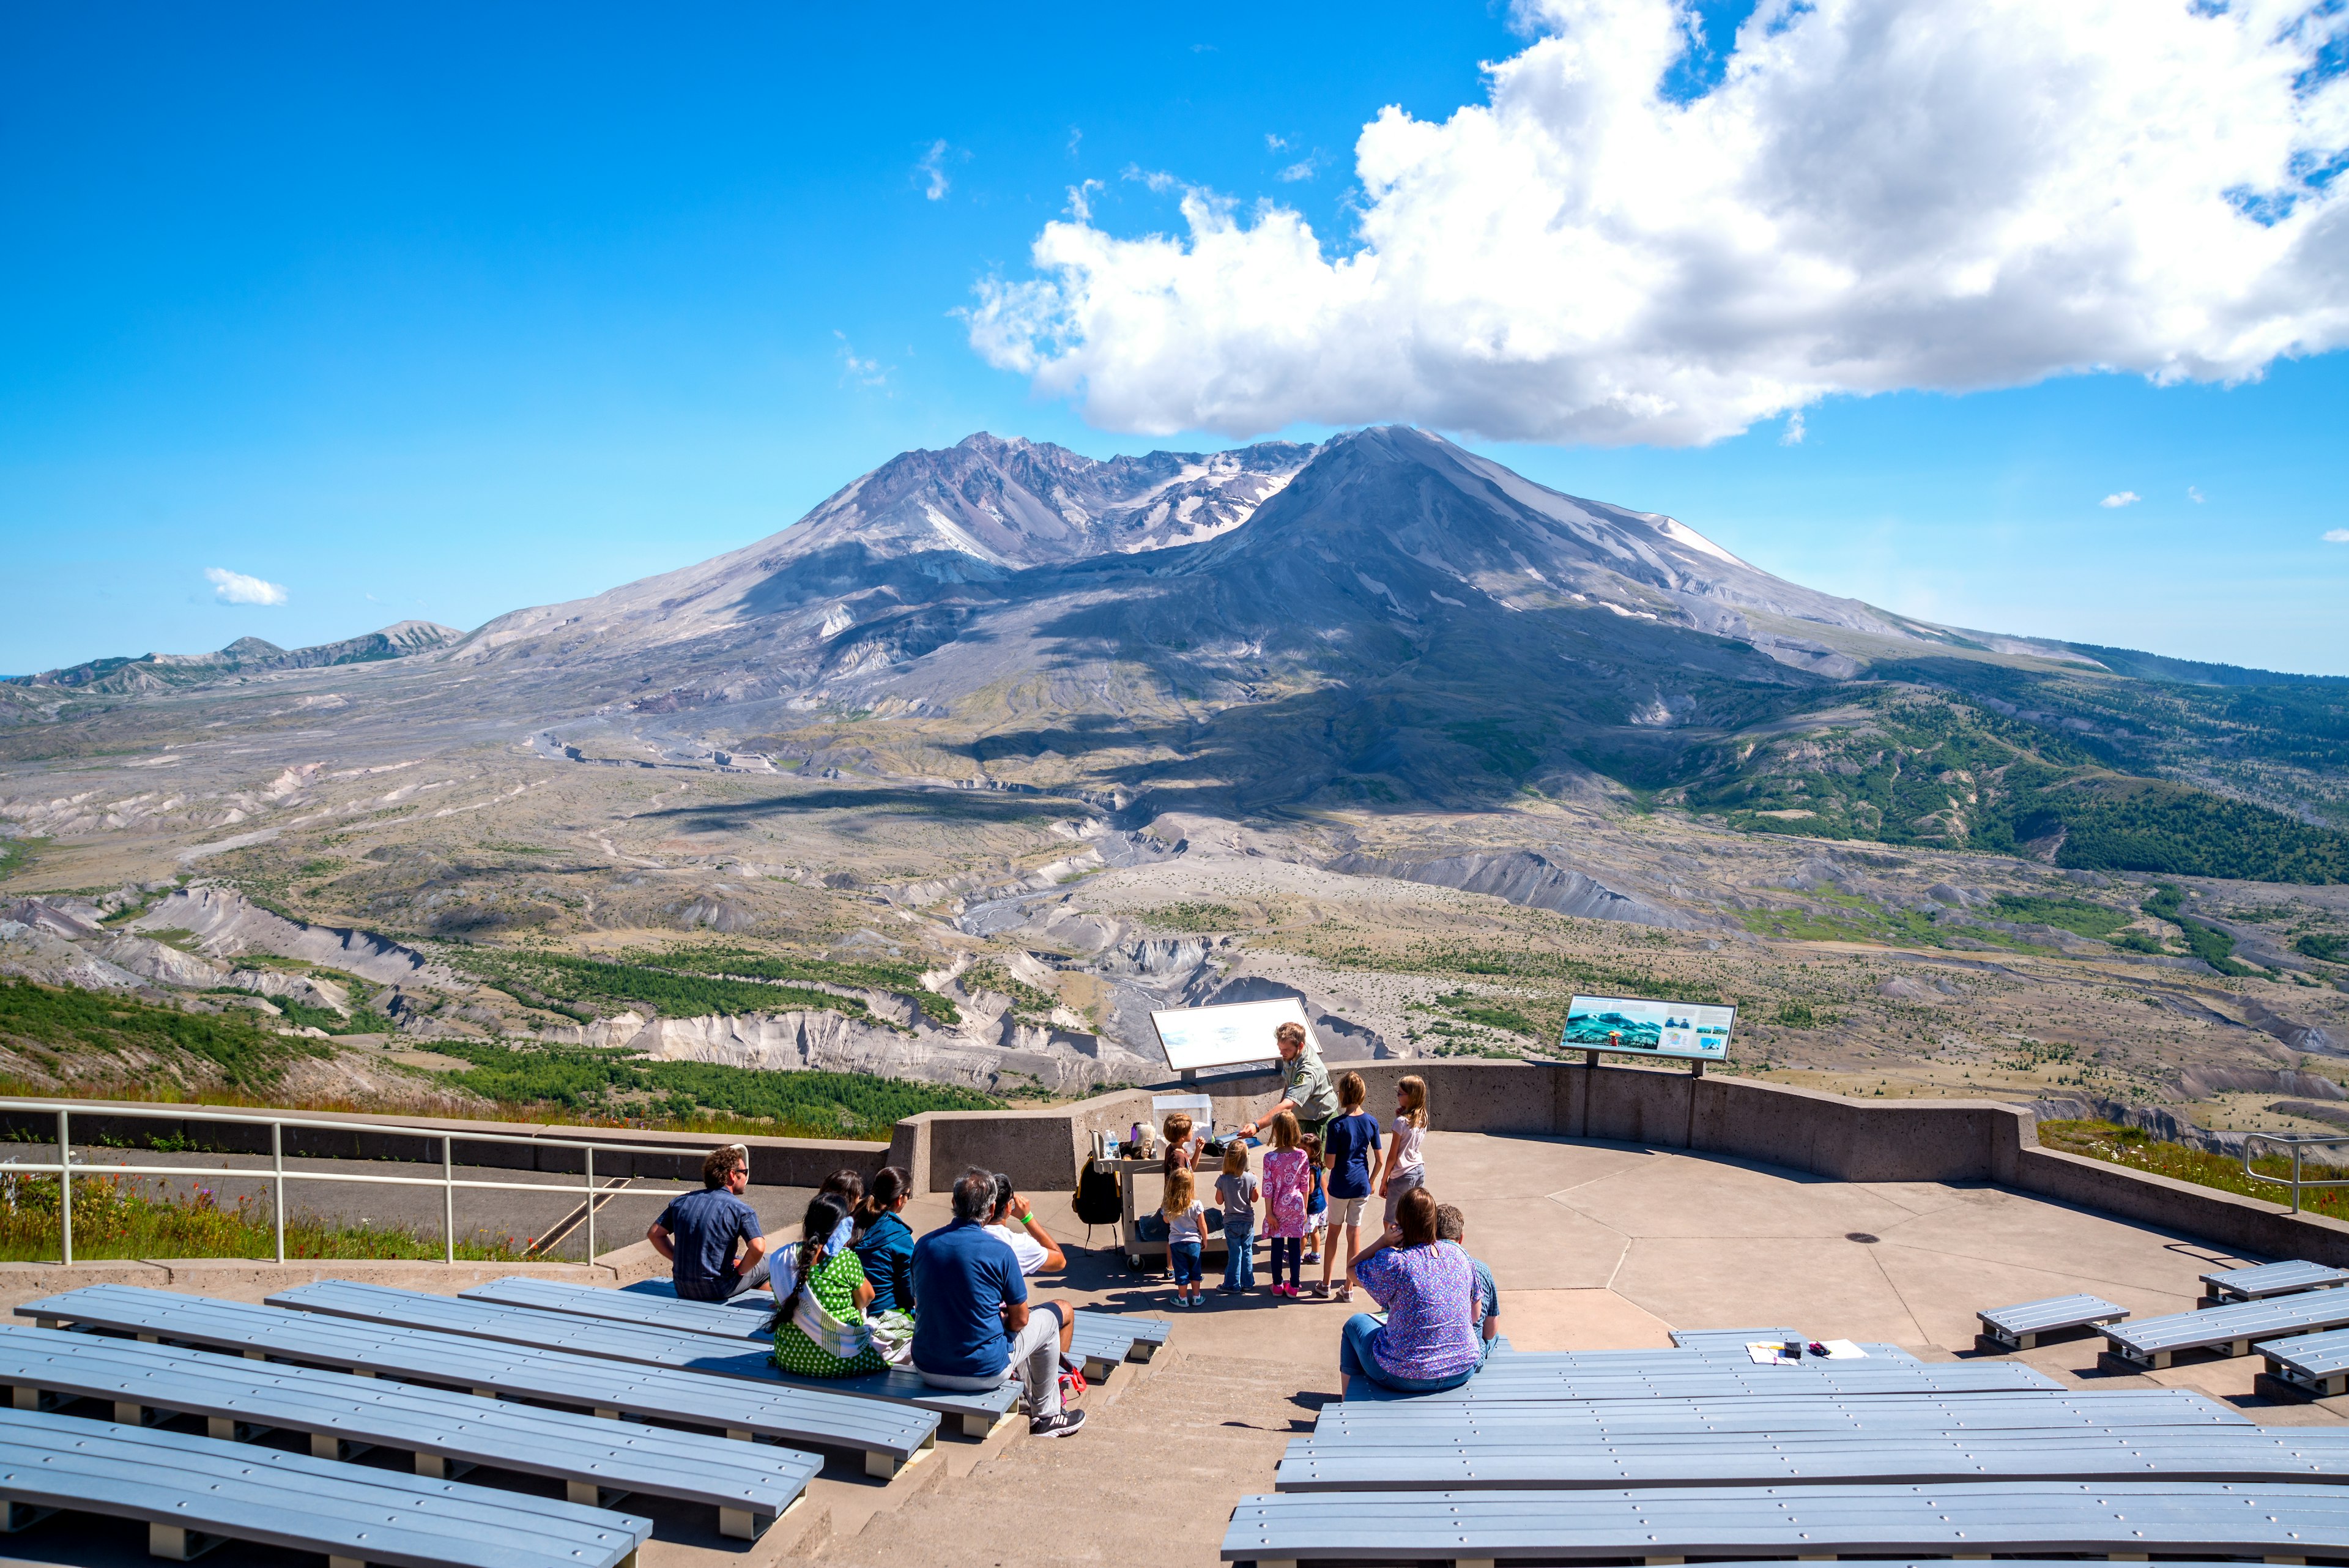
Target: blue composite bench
x=2230 y=1330
x=1732 y=1338
x=2266 y=1280
x=1522 y=1378
x=887 y=1435
x=2021 y=1327
x=1405 y=1460
x=1100 y=1338
x=681 y=1350
x=1677 y=1363
x=1094 y=1330
x=2317 y=1364
x=191 y=1491
x=2277 y=1522
x=2116 y=1411
x=751 y=1484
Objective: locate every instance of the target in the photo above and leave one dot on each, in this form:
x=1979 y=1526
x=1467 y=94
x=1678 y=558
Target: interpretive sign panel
x=1639 y=1027
x=1226 y=1036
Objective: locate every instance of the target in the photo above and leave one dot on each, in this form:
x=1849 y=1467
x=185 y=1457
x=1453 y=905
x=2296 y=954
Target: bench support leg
x=136 y=1415
x=1666 y=1562
x=741 y=1524
x=2026 y=1342
x=879 y=1465
x=739 y=1434
x=439 y=1466
x=178 y=1543
x=229 y=1429
x=346 y=1563
x=587 y=1494
x=1480 y=1562
x=327 y=1446
x=2161 y=1361
x=1276 y=1562
x=16 y=1516
x=25 y=1398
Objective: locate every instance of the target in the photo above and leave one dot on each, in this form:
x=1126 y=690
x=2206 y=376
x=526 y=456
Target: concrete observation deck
x=1595 y=1242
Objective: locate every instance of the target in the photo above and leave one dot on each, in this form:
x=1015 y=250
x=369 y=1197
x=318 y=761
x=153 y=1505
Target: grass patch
x=2078 y=916
x=609 y=1083
x=2327 y=948
x=1028 y=1004
x=47 y=1022
x=577 y=987
x=2139 y=1150
x=114 y=1219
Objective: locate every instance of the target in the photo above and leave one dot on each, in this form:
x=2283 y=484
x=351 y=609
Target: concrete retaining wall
x=1771 y=1124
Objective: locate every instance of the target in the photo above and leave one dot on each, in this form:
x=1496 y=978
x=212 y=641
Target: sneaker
x=1063 y=1424
x=1346 y=1293
x=1322 y=1289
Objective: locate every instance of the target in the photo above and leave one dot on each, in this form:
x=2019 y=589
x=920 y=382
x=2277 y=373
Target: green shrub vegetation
x=113 y=1219
x=608 y=1083
x=2211 y=945
x=1197 y=918
x=578 y=986
x=2078 y=916
x=2316 y=946
x=48 y=1023
x=302 y=1015
x=1027 y=1003
x=2139 y=1150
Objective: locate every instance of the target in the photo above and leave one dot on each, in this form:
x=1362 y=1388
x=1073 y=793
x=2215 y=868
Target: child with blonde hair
x=1288 y=1188
x=1406 y=1169
x=1237 y=1191
x=1186 y=1234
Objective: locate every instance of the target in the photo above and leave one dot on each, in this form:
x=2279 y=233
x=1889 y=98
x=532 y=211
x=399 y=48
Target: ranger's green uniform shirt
x=1305 y=1083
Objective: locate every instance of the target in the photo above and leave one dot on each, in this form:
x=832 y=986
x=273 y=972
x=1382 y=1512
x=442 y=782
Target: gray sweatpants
x=1035 y=1361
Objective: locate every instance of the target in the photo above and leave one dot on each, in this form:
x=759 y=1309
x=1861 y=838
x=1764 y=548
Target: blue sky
x=445 y=311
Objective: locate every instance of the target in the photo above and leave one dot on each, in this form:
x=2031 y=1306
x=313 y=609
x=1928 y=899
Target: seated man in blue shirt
x=975 y=1328
x=697 y=1231
x=1451 y=1225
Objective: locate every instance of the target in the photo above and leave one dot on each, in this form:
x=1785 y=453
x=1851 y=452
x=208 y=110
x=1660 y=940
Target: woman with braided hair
x=820 y=1294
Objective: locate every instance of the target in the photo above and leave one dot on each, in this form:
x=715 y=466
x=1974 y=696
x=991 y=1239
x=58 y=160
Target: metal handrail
x=448 y=1181
x=2294 y=1142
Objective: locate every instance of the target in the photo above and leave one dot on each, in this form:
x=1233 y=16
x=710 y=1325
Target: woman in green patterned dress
x=820 y=1294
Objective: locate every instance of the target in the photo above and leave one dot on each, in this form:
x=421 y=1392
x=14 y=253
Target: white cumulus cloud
x=2121 y=498
x=931 y=167
x=1877 y=194
x=2337 y=535
x=236 y=589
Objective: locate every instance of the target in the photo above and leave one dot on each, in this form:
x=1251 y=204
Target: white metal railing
x=2295 y=1142
x=66 y=1167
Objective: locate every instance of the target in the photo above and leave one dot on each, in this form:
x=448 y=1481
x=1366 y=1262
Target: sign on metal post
x=1639 y=1026
x=1231 y=1036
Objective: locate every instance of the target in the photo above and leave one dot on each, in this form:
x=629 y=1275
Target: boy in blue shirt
x=1349 y=1147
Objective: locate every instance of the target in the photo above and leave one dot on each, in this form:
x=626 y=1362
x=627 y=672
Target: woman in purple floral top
x=1429 y=1289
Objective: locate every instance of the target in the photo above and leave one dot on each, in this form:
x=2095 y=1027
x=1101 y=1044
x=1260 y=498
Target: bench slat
x=1518 y=1377
x=2119 y=1410
x=2020 y=1325
x=2097 y=1517
x=788 y=1415
x=260 y=1495
x=677 y=1350
x=757 y=1478
x=1146 y=1331
x=1400 y=1463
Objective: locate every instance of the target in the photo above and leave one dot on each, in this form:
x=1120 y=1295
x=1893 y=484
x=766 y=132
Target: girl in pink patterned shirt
x=1287 y=1186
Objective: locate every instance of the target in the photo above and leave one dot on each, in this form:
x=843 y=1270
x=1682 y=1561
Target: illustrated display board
x=1640 y=1027
x=1228 y=1036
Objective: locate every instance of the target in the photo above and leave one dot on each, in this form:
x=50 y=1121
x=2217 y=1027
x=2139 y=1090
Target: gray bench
x=2318 y=1363
x=2229 y=1330
x=887 y=1435
x=751 y=1484
x=1097 y=1337
x=1401 y=1461
x=1732 y=1338
x=2019 y=1327
x=680 y=1350
x=1146 y=1333
x=2117 y=1410
x=1679 y=1363
x=1519 y=1378
x=2267 y=1280
x=2280 y=1522
x=191 y=1492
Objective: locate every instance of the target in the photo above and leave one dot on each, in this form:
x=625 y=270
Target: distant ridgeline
x=246 y=656
x=2162 y=771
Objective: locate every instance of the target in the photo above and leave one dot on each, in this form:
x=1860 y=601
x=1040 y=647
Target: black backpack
x=1097 y=1201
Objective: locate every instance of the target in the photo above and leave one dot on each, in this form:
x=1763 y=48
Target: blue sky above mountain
x=444 y=313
